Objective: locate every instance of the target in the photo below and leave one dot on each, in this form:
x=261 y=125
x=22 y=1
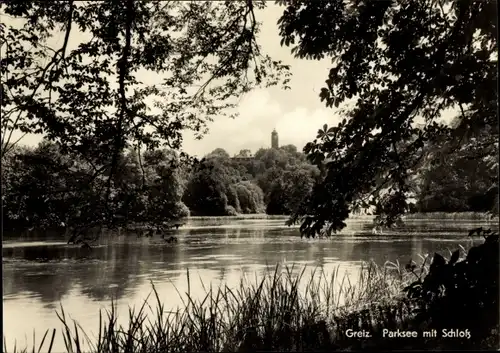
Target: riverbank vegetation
x=479 y=216
x=113 y=161
x=406 y=66
x=44 y=188
x=284 y=311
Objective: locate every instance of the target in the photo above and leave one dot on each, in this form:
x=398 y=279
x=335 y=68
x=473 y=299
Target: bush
x=461 y=294
x=181 y=210
x=230 y=211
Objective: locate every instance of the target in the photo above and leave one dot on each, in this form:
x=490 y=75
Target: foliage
x=43 y=188
x=458 y=183
x=275 y=180
x=164 y=188
x=288 y=191
x=126 y=38
x=250 y=197
x=206 y=190
x=397 y=61
x=461 y=294
x=88 y=96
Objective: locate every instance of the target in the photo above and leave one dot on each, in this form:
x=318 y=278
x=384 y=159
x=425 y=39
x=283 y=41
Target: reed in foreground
x=284 y=310
x=287 y=311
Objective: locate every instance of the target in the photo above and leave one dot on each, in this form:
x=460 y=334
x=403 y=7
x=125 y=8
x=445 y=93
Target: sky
x=296 y=114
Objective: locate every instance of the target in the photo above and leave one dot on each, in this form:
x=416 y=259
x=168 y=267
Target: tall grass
x=284 y=310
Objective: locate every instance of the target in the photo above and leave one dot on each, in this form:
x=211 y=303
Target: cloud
x=259 y=114
x=301 y=125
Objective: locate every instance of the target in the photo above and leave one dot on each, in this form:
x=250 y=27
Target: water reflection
x=40 y=271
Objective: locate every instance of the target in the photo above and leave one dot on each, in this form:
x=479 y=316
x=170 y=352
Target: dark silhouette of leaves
x=398 y=61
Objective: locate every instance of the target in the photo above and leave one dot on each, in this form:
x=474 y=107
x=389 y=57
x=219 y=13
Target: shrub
x=461 y=294
x=230 y=211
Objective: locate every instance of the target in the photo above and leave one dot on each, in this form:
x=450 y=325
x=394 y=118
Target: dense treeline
x=274 y=181
x=466 y=180
x=45 y=188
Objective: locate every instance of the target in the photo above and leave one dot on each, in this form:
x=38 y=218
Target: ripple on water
x=224 y=257
x=331 y=258
x=206 y=247
x=303 y=262
x=44 y=261
x=194 y=263
x=196 y=258
x=16 y=244
x=452 y=240
x=21 y=296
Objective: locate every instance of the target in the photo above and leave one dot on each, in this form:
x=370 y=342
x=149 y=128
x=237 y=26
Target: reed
x=284 y=310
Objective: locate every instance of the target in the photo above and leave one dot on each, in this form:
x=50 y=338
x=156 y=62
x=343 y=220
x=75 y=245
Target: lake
x=40 y=271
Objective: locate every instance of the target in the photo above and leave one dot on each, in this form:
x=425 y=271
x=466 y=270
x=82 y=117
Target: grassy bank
x=239 y=217
x=408 y=216
x=283 y=310
x=480 y=216
x=286 y=311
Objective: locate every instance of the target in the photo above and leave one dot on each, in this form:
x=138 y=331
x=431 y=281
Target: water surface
x=41 y=272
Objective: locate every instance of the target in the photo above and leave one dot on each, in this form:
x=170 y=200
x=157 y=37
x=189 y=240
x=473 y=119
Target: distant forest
x=45 y=188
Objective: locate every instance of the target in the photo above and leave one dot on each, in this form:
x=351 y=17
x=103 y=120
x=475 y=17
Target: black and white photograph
x=249 y=175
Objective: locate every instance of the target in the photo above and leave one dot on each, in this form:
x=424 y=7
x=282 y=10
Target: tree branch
x=54 y=61
x=123 y=68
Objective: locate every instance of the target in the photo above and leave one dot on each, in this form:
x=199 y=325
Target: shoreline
x=375 y=311
x=429 y=216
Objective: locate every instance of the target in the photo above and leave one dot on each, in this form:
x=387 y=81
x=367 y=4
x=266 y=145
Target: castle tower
x=274 y=139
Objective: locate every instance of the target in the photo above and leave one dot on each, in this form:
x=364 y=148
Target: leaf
x=454 y=257
x=438 y=260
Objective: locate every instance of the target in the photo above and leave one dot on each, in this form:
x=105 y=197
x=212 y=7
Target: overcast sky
x=296 y=114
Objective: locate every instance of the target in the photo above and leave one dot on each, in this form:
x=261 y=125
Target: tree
x=245 y=153
x=206 y=195
x=457 y=184
x=207 y=188
x=218 y=153
x=164 y=188
x=290 y=189
x=250 y=197
x=266 y=180
x=398 y=60
x=221 y=185
x=43 y=188
x=274 y=158
x=206 y=53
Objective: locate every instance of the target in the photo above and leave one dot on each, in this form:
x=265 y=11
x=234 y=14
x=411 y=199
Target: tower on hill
x=274 y=139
